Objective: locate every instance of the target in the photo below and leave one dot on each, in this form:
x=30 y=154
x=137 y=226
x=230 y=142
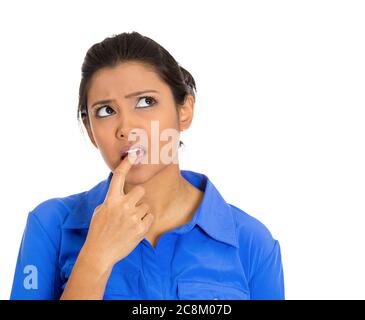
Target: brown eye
x=104 y=111
x=149 y=101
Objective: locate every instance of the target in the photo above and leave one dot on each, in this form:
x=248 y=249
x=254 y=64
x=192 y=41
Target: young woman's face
x=151 y=117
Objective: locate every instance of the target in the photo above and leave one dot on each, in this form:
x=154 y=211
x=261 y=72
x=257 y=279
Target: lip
x=125 y=149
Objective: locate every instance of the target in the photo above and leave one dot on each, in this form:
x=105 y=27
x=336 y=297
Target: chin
x=141 y=174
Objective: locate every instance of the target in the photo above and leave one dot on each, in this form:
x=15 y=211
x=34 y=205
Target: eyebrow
x=133 y=94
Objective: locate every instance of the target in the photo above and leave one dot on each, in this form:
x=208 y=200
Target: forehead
x=125 y=78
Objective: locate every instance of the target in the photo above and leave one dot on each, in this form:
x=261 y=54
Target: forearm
x=88 y=278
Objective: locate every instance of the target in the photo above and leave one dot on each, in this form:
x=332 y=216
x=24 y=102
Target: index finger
x=116 y=186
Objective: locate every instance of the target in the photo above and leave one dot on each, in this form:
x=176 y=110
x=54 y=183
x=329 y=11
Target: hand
x=118 y=224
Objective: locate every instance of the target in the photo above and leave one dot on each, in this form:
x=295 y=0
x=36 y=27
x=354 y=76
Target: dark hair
x=133 y=46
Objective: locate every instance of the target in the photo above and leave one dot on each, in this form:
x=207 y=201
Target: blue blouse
x=222 y=253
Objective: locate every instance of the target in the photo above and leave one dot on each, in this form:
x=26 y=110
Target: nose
x=124 y=132
x=126 y=125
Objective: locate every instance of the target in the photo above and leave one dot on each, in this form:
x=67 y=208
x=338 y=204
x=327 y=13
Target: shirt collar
x=214 y=214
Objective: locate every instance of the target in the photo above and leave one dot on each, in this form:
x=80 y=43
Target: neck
x=164 y=191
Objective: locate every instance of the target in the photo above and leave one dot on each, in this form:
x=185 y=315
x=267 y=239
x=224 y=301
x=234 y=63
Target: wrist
x=94 y=261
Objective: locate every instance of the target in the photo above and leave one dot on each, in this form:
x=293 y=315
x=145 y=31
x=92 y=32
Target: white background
x=280 y=88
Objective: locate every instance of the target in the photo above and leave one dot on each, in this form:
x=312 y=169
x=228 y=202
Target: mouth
x=139 y=149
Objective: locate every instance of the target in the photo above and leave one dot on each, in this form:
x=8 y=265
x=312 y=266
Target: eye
x=104 y=111
x=150 y=101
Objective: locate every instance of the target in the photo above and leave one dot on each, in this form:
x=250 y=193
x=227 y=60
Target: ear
x=186 y=112
x=86 y=123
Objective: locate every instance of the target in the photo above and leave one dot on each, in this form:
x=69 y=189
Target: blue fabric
x=222 y=253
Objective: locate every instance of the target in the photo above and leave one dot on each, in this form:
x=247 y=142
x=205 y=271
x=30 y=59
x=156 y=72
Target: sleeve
x=267 y=282
x=36 y=273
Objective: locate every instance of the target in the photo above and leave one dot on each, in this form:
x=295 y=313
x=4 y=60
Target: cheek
x=169 y=119
x=161 y=125
x=168 y=132
x=169 y=141
x=102 y=136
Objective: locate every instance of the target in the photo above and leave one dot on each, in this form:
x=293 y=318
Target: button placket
x=151 y=271
x=164 y=252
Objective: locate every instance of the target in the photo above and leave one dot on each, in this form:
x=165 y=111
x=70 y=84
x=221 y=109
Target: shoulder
x=47 y=218
x=52 y=215
x=250 y=227
x=53 y=212
x=256 y=242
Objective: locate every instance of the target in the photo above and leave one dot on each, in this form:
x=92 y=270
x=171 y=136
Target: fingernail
x=132 y=154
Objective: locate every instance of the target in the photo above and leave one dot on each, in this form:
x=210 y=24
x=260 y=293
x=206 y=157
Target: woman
x=149 y=230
